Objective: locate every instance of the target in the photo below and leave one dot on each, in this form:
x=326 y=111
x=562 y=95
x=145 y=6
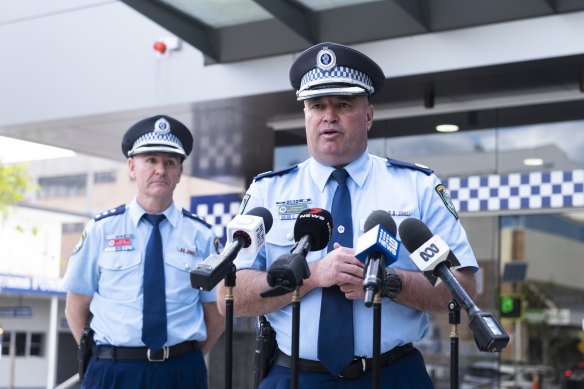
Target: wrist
x=392 y=285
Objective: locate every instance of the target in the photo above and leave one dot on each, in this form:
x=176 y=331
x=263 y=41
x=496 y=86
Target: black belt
x=354 y=370
x=113 y=352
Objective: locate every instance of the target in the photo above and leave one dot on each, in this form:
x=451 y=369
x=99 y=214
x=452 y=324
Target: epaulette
x=195 y=217
x=276 y=173
x=416 y=166
x=114 y=211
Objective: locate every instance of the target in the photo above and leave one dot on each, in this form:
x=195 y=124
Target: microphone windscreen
x=264 y=214
x=381 y=218
x=316 y=222
x=414 y=233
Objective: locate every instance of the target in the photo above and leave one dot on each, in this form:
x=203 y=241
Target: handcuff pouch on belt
x=265 y=350
x=85 y=350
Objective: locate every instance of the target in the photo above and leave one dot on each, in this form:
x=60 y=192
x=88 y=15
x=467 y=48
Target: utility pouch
x=265 y=350
x=85 y=350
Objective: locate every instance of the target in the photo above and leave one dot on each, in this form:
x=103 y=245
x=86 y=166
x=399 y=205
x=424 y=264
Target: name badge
x=119 y=242
x=289 y=209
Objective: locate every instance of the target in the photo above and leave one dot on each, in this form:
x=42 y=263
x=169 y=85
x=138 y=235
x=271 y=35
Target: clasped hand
x=341 y=267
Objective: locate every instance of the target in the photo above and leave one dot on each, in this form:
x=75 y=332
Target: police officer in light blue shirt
x=107 y=278
x=336 y=83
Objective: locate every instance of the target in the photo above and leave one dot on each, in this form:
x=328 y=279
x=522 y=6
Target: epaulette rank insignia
x=416 y=166
x=276 y=173
x=195 y=217
x=114 y=211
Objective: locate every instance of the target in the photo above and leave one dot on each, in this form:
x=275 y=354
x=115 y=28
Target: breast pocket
x=281 y=241
x=120 y=275
x=178 y=277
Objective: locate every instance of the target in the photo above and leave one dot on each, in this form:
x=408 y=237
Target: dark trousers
x=185 y=371
x=408 y=371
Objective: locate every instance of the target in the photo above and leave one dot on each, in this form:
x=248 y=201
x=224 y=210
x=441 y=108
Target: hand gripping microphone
x=377 y=248
x=433 y=257
x=245 y=233
x=312 y=232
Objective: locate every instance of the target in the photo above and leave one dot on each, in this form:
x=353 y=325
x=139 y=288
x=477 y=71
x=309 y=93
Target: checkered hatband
x=155 y=139
x=336 y=75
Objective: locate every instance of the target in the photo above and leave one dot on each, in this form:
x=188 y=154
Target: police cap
x=159 y=133
x=331 y=69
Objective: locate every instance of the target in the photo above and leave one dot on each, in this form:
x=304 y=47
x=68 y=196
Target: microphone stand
x=454 y=320
x=230 y=284
x=376 y=339
x=289 y=278
x=295 y=338
x=373 y=287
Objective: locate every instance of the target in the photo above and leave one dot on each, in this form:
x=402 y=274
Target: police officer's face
x=336 y=128
x=156 y=174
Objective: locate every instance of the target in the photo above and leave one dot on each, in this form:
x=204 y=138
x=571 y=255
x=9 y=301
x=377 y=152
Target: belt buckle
x=154 y=358
x=354 y=374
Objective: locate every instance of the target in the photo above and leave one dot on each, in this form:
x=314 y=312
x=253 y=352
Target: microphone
x=433 y=257
x=427 y=250
x=312 y=232
x=377 y=247
x=246 y=234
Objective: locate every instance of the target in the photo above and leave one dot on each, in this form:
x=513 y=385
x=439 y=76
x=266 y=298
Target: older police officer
x=336 y=84
x=130 y=271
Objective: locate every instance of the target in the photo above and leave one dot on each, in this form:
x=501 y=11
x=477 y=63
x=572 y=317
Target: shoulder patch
x=195 y=217
x=114 y=211
x=217 y=244
x=276 y=173
x=445 y=196
x=409 y=165
x=243 y=203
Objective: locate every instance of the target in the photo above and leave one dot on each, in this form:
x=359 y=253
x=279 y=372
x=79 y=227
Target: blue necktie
x=154 y=306
x=335 y=335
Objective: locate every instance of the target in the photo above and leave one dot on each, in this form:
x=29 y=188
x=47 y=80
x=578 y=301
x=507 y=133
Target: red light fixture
x=164 y=46
x=160 y=47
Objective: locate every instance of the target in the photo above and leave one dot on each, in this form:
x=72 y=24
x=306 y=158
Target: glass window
x=72 y=227
x=62 y=186
x=36 y=344
x=104 y=177
x=6 y=343
x=20 y=344
x=553 y=292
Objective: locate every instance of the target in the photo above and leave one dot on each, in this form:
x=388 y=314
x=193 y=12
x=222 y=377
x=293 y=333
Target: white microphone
x=251 y=228
x=430 y=254
x=245 y=234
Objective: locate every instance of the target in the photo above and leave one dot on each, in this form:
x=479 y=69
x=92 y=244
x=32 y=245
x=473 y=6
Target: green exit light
x=510 y=306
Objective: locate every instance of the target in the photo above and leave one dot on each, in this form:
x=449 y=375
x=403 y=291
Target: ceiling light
x=447 y=128
x=533 y=161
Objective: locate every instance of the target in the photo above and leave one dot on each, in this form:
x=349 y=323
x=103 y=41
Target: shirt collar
x=358 y=170
x=136 y=213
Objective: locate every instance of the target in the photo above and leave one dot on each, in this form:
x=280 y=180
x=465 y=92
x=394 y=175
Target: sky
x=15 y=150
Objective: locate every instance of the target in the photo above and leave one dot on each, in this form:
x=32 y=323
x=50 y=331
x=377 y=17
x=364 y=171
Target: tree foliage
x=14 y=183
